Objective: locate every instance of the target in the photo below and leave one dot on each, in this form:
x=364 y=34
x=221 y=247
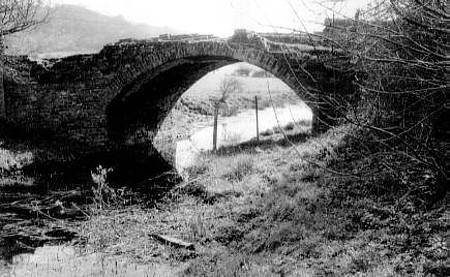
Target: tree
x=400 y=51
x=16 y=16
x=229 y=86
x=242 y=71
x=226 y=87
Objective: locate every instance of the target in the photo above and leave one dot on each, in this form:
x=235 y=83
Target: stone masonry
x=121 y=95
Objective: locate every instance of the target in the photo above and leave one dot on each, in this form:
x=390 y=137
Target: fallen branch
x=173 y=242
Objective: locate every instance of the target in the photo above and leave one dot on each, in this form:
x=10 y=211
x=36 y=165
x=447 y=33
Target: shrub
x=103 y=195
x=398 y=49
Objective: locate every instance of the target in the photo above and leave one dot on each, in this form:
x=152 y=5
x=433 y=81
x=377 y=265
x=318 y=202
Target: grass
x=283 y=212
x=230 y=138
x=242 y=167
x=279 y=211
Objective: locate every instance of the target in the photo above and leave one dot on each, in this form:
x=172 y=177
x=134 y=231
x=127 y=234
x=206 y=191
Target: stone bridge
x=120 y=96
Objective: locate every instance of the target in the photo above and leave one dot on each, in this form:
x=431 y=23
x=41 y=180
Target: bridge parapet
x=278 y=42
x=269 y=42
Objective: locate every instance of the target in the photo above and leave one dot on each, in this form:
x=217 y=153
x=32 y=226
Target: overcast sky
x=221 y=17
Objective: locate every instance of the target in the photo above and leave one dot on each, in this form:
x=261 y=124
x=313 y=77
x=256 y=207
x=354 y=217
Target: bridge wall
x=65 y=107
x=77 y=99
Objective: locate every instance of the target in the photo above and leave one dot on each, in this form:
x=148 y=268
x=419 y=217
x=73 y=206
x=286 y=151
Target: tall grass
x=243 y=165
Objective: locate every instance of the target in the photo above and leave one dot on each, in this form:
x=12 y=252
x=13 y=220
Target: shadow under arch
x=135 y=114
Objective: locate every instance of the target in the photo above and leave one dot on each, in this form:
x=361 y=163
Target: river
x=237 y=129
x=55 y=261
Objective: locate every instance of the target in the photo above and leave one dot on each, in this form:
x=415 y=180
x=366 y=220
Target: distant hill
x=73 y=29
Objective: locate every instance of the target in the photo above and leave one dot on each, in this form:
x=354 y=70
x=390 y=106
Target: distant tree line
x=244 y=71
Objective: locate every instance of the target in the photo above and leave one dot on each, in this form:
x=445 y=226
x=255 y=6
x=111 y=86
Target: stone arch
x=144 y=86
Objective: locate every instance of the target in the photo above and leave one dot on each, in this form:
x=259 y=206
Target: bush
x=402 y=81
x=104 y=196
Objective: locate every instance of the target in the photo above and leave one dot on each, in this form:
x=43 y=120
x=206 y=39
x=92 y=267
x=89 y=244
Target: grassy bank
x=284 y=211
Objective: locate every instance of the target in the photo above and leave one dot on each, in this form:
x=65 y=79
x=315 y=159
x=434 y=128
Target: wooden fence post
x=257 y=119
x=216 y=117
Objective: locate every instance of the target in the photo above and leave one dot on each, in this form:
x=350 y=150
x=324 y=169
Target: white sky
x=221 y=17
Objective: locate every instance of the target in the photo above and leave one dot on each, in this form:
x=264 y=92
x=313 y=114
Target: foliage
x=19 y=15
x=227 y=87
x=104 y=196
x=262 y=74
x=400 y=50
x=242 y=71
